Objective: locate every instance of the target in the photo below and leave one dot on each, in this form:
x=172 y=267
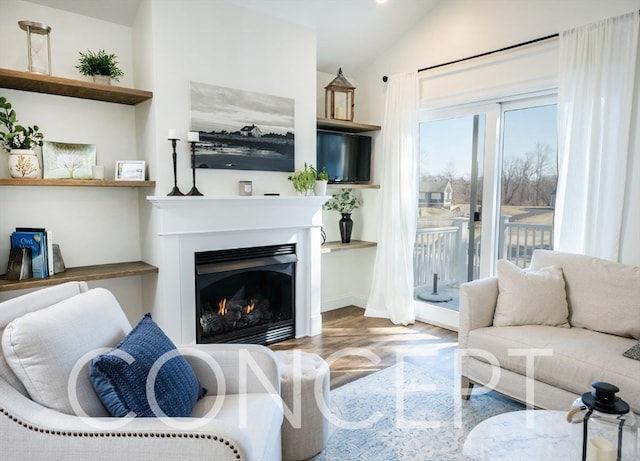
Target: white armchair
x=238 y=421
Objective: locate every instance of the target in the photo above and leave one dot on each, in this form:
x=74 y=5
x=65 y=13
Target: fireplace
x=184 y=226
x=246 y=295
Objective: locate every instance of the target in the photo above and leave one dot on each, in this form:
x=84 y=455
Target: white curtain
x=392 y=286
x=597 y=74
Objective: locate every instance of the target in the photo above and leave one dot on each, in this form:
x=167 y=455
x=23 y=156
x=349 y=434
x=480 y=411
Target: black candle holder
x=194 y=190
x=175 y=191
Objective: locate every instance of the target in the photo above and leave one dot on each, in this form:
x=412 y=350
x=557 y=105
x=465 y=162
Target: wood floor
x=355 y=345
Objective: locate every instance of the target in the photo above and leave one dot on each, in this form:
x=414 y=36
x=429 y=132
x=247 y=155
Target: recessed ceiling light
x=380 y=2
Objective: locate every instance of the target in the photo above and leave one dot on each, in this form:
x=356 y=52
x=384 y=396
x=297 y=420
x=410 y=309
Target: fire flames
x=222 y=307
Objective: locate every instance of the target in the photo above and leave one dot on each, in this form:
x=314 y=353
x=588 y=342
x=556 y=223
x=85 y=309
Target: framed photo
x=63 y=160
x=130 y=170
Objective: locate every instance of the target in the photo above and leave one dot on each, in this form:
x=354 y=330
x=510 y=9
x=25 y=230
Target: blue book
x=37 y=242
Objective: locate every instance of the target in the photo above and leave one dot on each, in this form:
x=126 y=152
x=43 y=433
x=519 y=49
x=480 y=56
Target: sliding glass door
x=447 y=246
x=487 y=188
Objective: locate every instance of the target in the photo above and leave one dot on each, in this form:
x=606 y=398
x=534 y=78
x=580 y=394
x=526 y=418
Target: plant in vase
x=100 y=64
x=304 y=180
x=19 y=141
x=344 y=202
x=322 y=179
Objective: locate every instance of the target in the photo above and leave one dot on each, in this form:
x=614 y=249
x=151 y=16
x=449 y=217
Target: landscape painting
x=242 y=130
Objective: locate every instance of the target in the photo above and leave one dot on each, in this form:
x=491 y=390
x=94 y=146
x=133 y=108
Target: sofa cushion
x=145 y=375
x=44 y=347
x=530 y=297
x=567 y=358
x=603 y=295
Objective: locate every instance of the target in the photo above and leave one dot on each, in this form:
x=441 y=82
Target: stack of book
x=31 y=254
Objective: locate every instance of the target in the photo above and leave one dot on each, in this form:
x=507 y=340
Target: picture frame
x=130 y=170
x=63 y=160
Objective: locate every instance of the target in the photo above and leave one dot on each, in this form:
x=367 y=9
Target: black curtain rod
x=536 y=40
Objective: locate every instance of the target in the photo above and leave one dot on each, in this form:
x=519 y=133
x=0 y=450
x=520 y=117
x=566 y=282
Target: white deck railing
x=443 y=250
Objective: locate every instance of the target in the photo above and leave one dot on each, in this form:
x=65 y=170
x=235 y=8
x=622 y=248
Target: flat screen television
x=346 y=156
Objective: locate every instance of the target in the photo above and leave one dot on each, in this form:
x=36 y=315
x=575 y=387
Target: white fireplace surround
x=187 y=225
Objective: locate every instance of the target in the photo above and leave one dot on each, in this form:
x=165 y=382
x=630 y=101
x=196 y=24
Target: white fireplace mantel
x=186 y=225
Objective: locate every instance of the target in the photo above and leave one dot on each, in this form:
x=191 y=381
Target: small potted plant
x=344 y=202
x=322 y=179
x=19 y=141
x=304 y=180
x=101 y=66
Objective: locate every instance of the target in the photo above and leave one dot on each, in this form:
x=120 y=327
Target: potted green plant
x=304 y=180
x=99 y=64
x=322 y=179
x=19 y=142
x=344 y=202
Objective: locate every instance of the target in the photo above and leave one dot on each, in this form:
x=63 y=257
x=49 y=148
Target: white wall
x=225 y=46
x=454 y=30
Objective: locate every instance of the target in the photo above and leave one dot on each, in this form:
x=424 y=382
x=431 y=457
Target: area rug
x=405 y=412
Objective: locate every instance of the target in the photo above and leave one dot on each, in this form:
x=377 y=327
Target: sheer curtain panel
x=597 y=103
x=392 y=286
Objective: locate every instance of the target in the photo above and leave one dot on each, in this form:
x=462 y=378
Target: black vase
x=346 y=226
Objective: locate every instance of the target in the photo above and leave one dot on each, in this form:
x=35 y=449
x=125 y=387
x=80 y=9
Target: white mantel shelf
x=238 y=213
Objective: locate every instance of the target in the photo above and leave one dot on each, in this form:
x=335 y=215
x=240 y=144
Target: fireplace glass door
x=246 y=295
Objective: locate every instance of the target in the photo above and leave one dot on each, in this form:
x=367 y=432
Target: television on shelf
x=346 y=157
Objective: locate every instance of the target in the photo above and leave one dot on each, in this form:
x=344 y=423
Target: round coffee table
x=527 y=435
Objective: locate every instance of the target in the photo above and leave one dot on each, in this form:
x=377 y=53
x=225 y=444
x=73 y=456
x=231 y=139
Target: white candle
x=172 y=134
x=193 y=136
x=600 y=449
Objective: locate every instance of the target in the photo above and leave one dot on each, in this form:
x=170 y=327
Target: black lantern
x=604 y=427
x=339 y=99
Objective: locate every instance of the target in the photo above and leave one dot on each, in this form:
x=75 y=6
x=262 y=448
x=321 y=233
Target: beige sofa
x=517 y=321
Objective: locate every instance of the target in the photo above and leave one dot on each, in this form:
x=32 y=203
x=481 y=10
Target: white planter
x=321 y=188
x=23 y=163
x=102 y=79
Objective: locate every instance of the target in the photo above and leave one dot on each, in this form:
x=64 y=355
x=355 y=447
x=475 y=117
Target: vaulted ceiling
x=349 y=33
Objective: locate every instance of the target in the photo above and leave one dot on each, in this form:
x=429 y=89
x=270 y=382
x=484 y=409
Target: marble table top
x=520 y=435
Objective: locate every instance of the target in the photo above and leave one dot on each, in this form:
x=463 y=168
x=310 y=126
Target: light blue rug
x=394 y=415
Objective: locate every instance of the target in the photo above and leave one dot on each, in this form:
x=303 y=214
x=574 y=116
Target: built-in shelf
x=39 y=83
x=353 y=186
x=86 y=273
x=350 y=127
x=332 y=247
x=74 y=182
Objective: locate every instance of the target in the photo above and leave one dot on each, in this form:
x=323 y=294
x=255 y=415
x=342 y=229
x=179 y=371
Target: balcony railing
x=443 y=250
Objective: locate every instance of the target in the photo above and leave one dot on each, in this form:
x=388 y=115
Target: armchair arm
x=477 y=304
x=258 y=363
x=31 y=431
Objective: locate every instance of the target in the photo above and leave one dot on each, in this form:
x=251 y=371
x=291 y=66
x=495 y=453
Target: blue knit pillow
x=145 y=376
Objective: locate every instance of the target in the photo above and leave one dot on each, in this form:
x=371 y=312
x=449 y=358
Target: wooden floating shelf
x=39 y=83
x=86 y=273
x=340 y=125
x=74 y=183
x=332 y=247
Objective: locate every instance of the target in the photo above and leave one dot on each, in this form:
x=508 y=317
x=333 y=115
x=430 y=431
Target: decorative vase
x=23 y=163
x=102 y=79
x=346 y=226
x=320 y=188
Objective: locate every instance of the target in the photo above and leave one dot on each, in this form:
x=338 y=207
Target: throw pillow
x=633 y=352
x=49 y=349
x=145 y=375
x=527 y=297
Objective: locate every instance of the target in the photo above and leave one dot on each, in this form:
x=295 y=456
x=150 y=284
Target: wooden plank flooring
x=355 y=345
